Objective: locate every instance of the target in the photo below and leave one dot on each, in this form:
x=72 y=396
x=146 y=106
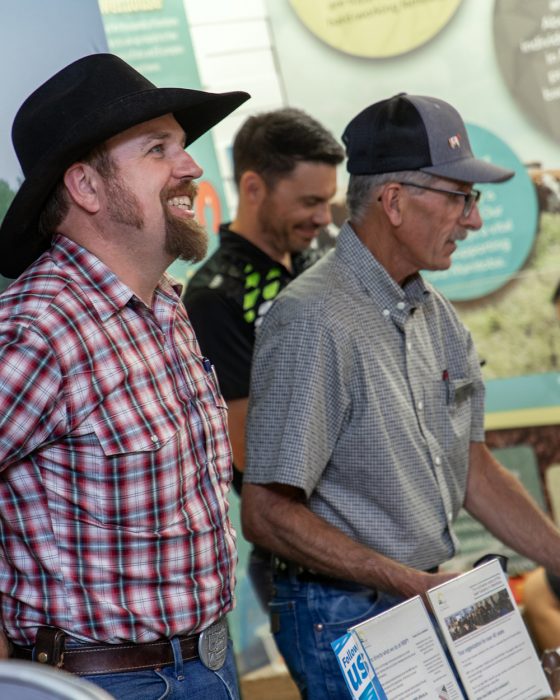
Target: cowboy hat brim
x=195 y=111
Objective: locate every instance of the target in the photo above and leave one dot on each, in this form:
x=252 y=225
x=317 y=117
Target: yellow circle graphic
x=375 y=28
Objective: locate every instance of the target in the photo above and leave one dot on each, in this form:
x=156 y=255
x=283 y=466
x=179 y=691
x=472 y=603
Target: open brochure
x=476 y=618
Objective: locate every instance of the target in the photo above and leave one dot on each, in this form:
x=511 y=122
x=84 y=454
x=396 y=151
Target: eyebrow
x=161 y=136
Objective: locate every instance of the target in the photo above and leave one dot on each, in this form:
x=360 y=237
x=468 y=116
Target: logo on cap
x=454 y=141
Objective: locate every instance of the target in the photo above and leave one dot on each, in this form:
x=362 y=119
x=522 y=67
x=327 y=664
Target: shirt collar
x=106 y=291
x=391 y=299
x=300 y=261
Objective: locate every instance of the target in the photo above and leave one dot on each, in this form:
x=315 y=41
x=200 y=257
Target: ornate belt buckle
x=212 y=645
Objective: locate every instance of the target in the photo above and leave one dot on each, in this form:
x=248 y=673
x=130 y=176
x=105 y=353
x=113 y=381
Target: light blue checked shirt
x=366 y=395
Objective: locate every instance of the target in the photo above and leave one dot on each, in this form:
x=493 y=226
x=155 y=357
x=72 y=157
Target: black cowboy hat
x=84 y=104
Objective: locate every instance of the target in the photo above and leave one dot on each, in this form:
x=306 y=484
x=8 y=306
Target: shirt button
x=401 y=305
x=319 y=627
x=420 y=405
x=154 y=438
x=450 y=517
x=409 y=346
x=386 y=312
x=437 y=460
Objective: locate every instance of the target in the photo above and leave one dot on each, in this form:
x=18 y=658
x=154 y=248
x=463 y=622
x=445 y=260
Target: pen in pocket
x=445 y=380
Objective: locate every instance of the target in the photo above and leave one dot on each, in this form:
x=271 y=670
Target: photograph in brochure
x=474 y=617
x=403 y=648
x=486 y=636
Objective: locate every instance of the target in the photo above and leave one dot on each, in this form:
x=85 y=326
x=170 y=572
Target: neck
x=249 y=229
x=140 y=270
x=380 y=242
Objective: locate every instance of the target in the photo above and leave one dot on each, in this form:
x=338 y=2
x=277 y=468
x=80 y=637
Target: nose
x=186 y=166
x=322 y=214
x=473 y=221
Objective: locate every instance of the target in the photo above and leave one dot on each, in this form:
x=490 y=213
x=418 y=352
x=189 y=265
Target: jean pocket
x=336 y=610
x=291 y=633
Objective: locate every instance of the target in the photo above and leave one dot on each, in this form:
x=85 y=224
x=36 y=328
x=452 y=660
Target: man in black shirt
x=285 y=172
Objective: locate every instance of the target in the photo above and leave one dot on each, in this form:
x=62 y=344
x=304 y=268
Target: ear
x=391 y=199
x=82 y=183
x=252 y=188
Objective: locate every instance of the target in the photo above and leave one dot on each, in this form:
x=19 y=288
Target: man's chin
x=186 y=240
x=193 y=256
x=302 y=244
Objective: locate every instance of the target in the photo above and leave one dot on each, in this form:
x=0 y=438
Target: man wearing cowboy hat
x=117 y=553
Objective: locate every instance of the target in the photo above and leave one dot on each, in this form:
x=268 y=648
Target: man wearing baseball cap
x=116 y=550
x=365 y=431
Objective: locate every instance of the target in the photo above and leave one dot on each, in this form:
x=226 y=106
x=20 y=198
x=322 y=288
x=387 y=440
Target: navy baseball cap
x=410 y=132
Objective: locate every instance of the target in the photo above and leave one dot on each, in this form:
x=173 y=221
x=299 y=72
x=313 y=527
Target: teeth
x=183 y=202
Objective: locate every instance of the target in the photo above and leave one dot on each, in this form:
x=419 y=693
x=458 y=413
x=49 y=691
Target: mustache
x=187 y=189
x=459 y=235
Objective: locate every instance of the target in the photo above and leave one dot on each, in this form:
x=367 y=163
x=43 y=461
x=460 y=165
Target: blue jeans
x=185 y=680
x=307 y=617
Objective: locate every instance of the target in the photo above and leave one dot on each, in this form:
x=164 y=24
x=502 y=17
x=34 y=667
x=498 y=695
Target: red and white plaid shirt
x=114 y=460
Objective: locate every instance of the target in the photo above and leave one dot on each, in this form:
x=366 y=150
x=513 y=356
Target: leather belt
x=92 y=659
x=283 y=568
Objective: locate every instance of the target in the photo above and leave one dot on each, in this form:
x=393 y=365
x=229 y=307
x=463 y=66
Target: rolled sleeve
x=298 y=400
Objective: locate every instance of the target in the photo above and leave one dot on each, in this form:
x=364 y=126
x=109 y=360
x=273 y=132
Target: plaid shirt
x=115 y=459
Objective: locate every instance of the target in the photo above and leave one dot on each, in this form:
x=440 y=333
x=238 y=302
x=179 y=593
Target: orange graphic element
x=207 y=206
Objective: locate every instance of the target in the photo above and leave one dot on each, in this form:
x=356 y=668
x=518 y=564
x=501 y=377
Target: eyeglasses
x=471 y=198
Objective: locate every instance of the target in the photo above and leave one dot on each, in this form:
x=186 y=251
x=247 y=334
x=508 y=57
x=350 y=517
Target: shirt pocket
x=212 y=410
x=126 y=464
x=449 y=414
x=207 y=387
x=459 y=393
x=135 y=431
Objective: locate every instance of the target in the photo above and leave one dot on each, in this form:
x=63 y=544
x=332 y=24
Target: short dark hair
x=273 y=143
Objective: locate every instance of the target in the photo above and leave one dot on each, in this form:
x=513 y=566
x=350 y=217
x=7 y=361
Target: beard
x=281 y=235
x=123 y=206
x=185 y=239
x=272 y=230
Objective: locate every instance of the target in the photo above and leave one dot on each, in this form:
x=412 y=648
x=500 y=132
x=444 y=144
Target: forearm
x=500 y=502
x=237 y=415
x=276 y=519
x=4 y=646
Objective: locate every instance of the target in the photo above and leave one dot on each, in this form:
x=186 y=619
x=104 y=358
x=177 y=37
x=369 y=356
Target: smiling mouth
x=184 y=204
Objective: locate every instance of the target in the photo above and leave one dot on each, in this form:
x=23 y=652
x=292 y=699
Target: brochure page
x=487 y=637
x=407 y=655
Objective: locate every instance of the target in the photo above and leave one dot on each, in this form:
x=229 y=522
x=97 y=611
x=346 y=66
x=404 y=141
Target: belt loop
x=177 y=658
